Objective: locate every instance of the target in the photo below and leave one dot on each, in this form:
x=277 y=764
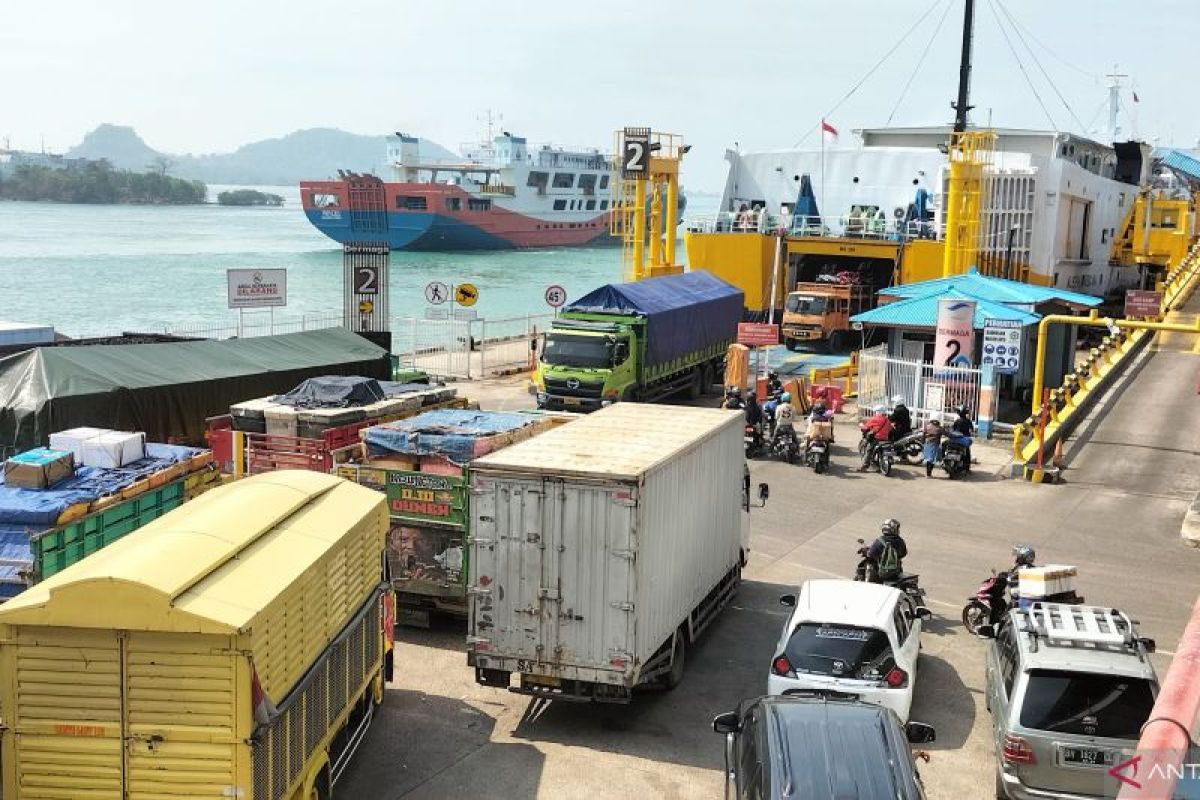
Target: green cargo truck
x=638 y=341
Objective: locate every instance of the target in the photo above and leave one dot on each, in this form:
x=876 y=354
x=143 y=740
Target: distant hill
x=313 y=153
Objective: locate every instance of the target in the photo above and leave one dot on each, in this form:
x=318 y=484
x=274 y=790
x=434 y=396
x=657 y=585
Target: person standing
x=932 y=445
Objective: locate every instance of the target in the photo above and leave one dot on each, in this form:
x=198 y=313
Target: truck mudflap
x=572 y=691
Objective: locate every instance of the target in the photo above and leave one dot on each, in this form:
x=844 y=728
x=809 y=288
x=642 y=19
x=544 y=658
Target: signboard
x=635 y=153
x=366 y=279
x=436 y=293
x=465 y=314
x=365 y=286
x=555 y=296
x=955 y=342
x=256 y=288
x=757 y=334
x=422 y=496
x=465 y=294
x=1139 y=303
x=437 y=313
x=935 y=399
x=1002 y=345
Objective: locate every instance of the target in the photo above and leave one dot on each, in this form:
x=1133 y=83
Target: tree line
x=99 y=182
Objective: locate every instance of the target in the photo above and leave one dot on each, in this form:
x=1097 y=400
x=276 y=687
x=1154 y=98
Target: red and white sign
x=555 y=295
x=954 y=345
x=1140 y=303
x=757 y=334
x=257 y=288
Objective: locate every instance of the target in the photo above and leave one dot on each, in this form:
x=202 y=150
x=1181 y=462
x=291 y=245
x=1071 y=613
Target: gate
x=927 y=389
x=368 y=206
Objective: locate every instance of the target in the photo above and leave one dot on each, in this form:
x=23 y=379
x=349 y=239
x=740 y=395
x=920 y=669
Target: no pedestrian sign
x=555 y=296
x=1002 y=345
x=436 y=293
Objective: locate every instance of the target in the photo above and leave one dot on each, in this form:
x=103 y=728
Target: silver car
x=1069 y=688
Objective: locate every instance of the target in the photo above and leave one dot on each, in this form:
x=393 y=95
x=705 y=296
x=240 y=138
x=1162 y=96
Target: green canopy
x=168 y=389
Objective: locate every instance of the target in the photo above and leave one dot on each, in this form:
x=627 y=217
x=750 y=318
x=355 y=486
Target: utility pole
x=962 y=105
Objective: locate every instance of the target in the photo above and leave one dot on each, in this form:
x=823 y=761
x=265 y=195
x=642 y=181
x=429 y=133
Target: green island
x=98 y=182
x=248 y=197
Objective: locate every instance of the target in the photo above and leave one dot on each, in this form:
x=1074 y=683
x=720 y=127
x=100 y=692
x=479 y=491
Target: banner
x=1002 y=345
x=955 y=342
x=256 y=288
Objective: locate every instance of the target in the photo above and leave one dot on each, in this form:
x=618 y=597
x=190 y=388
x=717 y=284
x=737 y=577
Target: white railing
x=848 y=225
x=927 y=389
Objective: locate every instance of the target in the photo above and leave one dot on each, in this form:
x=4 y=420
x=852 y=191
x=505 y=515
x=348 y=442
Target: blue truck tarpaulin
x=450 y=432
x=683 y=313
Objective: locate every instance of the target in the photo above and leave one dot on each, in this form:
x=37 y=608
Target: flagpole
x=821 y=202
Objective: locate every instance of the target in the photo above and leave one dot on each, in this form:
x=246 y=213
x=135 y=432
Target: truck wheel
x=837 y=342
x=696 y=386
x=790 y=344
x=708 y=377
x=678 y=653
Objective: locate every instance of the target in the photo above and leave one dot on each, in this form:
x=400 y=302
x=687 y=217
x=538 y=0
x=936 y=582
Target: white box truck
x=601 y=550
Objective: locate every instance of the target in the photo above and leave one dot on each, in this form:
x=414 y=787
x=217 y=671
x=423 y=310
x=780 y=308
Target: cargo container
x=235 y=647
x=642 y=341
x=601 y=549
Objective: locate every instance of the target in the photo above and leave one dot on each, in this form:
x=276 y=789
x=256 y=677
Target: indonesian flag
x=264 y=709
x=827 y=128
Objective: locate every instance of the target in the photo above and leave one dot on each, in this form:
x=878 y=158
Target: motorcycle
x=753 y=439
x=907 y=583
x=816 y=455
x=910 y=446
x=879 y=454
x=954 y=456
x=997 y=594
x=786 y=445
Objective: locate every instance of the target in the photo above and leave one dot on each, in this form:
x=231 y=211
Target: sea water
x=97 y=270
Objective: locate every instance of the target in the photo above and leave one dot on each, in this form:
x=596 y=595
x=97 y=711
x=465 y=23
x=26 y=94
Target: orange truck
x=819 y=313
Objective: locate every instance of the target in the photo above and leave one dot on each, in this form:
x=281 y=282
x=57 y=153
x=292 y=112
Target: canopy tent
x=166 y=390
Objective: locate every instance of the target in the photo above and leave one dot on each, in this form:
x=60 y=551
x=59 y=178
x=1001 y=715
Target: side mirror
x=764 y=491
x=923 y=612
x=726 y=723
x=1148 y=643
x=788 y=600
x=920 y=733
x=861 y=541
x=986 y=631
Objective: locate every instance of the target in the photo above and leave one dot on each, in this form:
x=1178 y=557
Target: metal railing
x=847 y=225
x=929 y=390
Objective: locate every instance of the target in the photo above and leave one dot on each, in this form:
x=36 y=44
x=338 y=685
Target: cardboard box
x=73 y=440
x=1052 y=579
x=38 y=468
x=114 y=449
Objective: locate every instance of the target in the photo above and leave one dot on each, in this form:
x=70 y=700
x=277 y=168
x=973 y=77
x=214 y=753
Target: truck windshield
x=843 y=651
x=805 y=304
x=1087 y=704
x=577 y=351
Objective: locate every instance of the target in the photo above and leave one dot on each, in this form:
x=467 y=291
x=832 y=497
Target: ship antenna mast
x=492 y=120
x=1114 y=103
x=962 y=106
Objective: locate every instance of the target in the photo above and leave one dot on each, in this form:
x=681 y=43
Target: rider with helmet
x=887 y=553
x=733 y=399
x=901 y=419
x=820 y=424
x=784 y=417
x=963 y=428
x=774 y=385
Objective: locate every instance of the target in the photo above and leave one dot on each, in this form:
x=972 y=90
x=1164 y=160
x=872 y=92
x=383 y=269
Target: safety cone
x=1058 y=455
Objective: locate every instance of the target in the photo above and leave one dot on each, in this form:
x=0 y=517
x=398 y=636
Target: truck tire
x=790 y=344
x=837 y=342
x=695 y=387
x=708 y=378
x=678 y=655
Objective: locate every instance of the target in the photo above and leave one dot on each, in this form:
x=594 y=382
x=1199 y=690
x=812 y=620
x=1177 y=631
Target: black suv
x=819 y=747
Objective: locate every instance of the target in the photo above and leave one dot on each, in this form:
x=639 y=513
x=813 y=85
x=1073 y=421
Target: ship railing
x=497 y=188
x=845 y=226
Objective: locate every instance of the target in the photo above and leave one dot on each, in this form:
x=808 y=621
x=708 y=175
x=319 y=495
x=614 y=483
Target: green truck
x=639 y=341
x=422 y=465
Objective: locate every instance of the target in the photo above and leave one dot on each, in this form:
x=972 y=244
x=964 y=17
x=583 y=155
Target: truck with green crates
x=640 y=341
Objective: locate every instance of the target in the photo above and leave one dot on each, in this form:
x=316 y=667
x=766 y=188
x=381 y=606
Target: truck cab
x=819 y=313
x=585 y=365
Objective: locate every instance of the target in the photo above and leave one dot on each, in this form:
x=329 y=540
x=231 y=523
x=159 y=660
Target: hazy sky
x=207 y=77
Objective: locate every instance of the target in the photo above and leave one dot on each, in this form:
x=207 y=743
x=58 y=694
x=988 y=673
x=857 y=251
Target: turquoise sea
x=93 y=270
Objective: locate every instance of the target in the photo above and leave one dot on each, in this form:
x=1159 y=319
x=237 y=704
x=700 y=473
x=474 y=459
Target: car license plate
x=544 y=680
x=818 y=448
x=571 y=401
x=1088 y=756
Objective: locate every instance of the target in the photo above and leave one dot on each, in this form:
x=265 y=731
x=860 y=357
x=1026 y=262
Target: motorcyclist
x=784 y=418
x=820 y=424
x=733 y=399
x=877 y=429
x=963 y=427
x=754 y=417
x=887 y=553
x=901 y=419
x=774 y=385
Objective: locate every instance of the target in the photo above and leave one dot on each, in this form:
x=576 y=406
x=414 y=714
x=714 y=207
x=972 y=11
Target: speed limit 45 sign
x=555 y=296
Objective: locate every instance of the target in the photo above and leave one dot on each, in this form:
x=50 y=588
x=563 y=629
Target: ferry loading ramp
x=166 y=390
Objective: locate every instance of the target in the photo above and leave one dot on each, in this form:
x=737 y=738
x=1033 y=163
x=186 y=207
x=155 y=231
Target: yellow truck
x=233 y=648
x=819 y=313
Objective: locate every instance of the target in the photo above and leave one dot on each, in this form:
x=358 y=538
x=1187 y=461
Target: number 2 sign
x=366 y=280
x=635 y=153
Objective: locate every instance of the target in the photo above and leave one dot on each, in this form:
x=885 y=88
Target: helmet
x=890 y=527
x=1025 y=555
x=819 y=409
x=733 y=392
x=962 y=410
x=773 y=375
x=786 y=397
x=897 y=400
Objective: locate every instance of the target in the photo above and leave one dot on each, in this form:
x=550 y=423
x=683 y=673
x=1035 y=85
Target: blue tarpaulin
x=451 y=432
x=683 y=313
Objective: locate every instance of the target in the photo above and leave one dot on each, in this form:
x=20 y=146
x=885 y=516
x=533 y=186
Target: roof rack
x=1068 y=625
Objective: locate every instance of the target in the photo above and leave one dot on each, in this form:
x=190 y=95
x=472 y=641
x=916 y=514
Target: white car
x=852 y=637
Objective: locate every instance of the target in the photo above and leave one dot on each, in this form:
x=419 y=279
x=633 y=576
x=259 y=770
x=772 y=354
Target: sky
x=208 y=77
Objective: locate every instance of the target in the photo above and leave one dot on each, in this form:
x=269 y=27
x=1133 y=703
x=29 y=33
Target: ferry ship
x=502 y=194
